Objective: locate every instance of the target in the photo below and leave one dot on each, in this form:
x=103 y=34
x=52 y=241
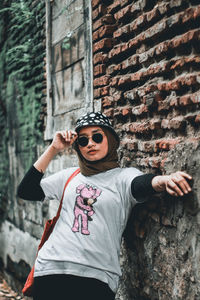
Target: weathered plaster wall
x=45 y=59
x=22 y=98
x=146 y=76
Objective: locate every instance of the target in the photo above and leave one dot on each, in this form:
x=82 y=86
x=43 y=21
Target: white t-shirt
x=87 y=236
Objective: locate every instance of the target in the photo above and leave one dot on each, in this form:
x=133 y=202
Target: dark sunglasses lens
x=97 y=138
x=83 y=141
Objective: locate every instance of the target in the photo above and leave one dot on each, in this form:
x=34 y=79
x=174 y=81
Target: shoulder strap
x=66 y=184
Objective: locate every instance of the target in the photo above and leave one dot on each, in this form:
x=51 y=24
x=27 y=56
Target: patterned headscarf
x=110 y=161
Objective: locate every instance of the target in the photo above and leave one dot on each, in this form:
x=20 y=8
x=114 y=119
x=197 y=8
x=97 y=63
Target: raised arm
x=29 y=188
x=61 y=141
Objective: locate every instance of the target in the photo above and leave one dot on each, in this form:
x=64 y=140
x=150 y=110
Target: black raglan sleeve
x=29 y=188
x=141 y=187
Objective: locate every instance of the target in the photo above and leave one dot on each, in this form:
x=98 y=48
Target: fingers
x=177 y=184
x=69 y=136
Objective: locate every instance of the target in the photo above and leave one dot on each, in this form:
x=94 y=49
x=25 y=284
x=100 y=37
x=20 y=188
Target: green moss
x=21 y=79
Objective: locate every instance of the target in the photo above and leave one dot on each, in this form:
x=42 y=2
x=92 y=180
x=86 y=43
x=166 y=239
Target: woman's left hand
x=175 y=184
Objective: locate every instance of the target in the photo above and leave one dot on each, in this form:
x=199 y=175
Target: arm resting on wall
x=141 y=187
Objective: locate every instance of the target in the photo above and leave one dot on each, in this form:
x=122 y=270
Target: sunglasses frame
x=88 y=138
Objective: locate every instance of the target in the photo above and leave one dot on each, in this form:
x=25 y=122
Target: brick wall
x=147 y=77
x=147 y=74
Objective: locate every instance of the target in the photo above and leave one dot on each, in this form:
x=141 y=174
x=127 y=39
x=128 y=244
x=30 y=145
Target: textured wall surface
x=147 y=80
x=147 y=77
x=22 y=98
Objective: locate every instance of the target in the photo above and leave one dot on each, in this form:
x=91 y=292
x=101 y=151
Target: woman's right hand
x=63 y=139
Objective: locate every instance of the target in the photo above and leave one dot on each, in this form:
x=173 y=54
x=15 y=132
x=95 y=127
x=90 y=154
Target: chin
x=94 y=159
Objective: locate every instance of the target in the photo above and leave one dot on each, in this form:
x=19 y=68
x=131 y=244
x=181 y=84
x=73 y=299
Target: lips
x=92 y=151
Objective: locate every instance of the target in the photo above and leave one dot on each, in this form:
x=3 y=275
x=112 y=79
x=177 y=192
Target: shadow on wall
x=162 y=239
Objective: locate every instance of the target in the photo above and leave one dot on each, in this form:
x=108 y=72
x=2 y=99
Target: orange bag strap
x=66 y=184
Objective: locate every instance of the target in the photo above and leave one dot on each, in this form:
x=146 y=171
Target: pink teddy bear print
x=84 y=207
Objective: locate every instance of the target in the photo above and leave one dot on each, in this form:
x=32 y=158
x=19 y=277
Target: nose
x=90 y=142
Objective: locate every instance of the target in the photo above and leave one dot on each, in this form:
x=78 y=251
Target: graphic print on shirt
x=83 y=209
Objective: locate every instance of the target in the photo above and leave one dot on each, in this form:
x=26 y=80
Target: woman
x=81 y=257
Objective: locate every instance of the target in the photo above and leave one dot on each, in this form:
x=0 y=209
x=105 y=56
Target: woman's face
x=93 y=151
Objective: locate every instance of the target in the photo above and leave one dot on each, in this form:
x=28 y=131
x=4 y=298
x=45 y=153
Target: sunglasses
x=84 y=140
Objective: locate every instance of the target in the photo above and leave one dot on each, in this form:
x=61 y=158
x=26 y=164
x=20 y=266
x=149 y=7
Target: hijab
x=110 y=161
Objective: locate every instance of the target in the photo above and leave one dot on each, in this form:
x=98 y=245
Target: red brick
x=114 y=81
x=115 y=5
x=163 y=105
x=145 y=147
x=166 y=144
x=197 y=12
x=99 y=70
x=155 y=124
x=177 y=123
x=132 y=146
x=124 y=47
x=185 y=60
x=173 y=85
x=109 y=112
x=155 y=30
x=105 y=91
x=107 y=19
x=136 y=76
x=95 y=3
x=107 y=101
x=185 y=38
x=124 y=80
x=138 y=127
x=173 y=20
x=135 y=8
x=185 y=100
x=122 y=31
x=189 y=14
x=99 y=11
x=155 y=162
x=97 y=24
x=150 y=88
x=115 y=51
x=174 y=101
x=103 y=80
x=106 y=30
x=95 y=36
x=165 y=123
x=113 y=68
x=97 y=93
x=163 y=8
x=103 y=44
x=124 y=2
x=197 y=119
x=125 y=111
x=139 y=110
x=162 y=47
x=123 y=13
x=195 y=98
x=117 y=96
x=133 y=43
x=137 y=23
x=154 y=13
x=100 y=57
